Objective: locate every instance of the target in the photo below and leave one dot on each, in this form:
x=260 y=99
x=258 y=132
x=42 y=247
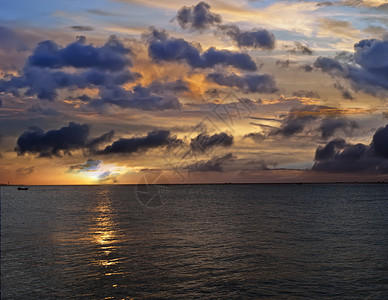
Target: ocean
x=279 y=241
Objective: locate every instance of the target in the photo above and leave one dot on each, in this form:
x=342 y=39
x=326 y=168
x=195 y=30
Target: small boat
x=23 y=188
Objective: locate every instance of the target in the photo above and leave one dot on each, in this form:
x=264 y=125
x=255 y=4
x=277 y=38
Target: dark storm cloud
x=43 y=74
x=56 y=142
x=44 y=83
x=248 y=83
x=1 y=102
x=312 y=119
x=105 y=138
x=329 y=126
x=82 y=28
x=340 y=157
x=203 y=142
x=154 y=139
x=198 y=17
x=327 y=64
x=379 y=143
x=255 y=38
x=299 y=48
x=105 y=68
x=369 y=72
x=296 y=120
x=112 y=56
x=162 y=48
x=294 y=125
x=215 y=164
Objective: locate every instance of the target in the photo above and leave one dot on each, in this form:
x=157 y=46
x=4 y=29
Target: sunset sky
x=101 y=92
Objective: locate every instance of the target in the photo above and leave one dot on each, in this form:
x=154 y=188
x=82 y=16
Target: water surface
x=206 y=241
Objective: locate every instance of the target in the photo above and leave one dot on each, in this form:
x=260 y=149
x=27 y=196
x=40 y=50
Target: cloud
x=156 y=96
x=90 y=165
x=46 y=69
x=331 y=125
x=52 y=142
x=368 y=72
x=82 y=28
x=285 y=63
x=307 y=67
x=203 y=142
x=104 y=68
x=257 y=166
x=248 y=83
x=103 y=139
x=339 y=28
x=294 y=124
x=337 y=156
x=44 y=83
x=108 y=176
x=299 y=48
x=56 y=142
x=325 y=3
x=37 y=108
x=215 y=164
x=256 y=136
x=102 y=13
x=25 y=171
x=154 y=139
x=162 y=48
x=96 y=170
x=13 y=39
x=327 y=64
x=306 y=94
x=112 y=56
x=255 y=38
x=346 y=94
x=197 y=17
x=310 y=119
x=365 y=3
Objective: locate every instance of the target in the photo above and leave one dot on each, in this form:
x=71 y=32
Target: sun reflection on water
x=104 y=231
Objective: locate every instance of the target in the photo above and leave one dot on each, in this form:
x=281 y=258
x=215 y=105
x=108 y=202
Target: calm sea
x=195 y=241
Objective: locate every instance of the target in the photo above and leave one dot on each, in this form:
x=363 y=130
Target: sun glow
x=103 y=173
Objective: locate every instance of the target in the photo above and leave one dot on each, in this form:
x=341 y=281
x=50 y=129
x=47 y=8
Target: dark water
x=208 y=241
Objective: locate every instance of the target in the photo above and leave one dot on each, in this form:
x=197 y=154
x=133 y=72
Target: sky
x=126 y=91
